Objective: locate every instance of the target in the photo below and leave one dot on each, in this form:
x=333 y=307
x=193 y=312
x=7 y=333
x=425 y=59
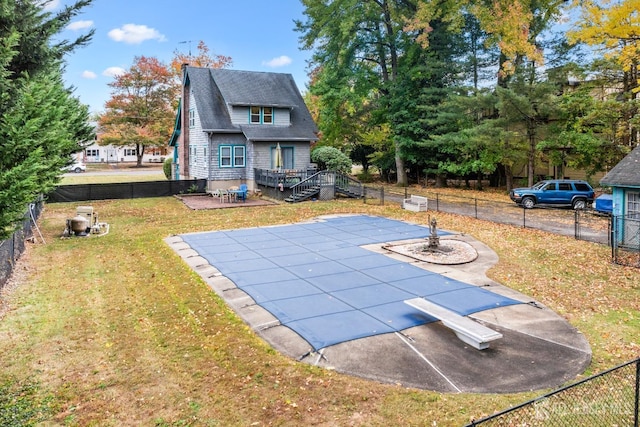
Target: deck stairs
x=325 y=185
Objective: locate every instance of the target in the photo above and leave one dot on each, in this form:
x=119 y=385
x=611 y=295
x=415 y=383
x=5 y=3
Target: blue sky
x=257 y=35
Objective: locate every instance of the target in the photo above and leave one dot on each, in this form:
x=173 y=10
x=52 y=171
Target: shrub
x=332 y=159
x=366 y=176
x=166 y=167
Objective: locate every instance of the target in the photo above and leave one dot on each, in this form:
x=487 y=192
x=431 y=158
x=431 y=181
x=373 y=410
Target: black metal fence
x=582 y=224
x=125 y=190
x=13 y=247
x=625 y=240
x=610 y=398
x=372 y=195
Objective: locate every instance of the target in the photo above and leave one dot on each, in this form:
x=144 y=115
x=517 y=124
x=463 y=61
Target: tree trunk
x=531 y=156
x=401 y=173
x=508 y=177
x=139 y=154
x=441 y=181
x=479 y=185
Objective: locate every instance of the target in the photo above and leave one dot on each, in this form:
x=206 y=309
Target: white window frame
x=232 y=156
x=255 y=115
x=192 y=118
x=633 y=204
x=267 y=112
x=239 y=156
x=261 y=115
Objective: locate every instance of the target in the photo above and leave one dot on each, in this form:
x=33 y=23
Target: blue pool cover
x=318 y=281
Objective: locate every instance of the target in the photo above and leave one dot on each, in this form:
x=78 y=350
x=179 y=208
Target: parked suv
x=568 y=192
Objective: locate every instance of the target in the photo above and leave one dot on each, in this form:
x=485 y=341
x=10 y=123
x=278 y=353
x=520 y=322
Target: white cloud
x=135 y=34
x=113 y=71
x=79 y=25
x=280 y=61
x=86 y=74
x=49 y=5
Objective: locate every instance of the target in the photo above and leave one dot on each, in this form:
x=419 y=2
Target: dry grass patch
x=121 y=332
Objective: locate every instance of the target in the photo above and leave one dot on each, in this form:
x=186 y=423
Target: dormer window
x=267 y=115
x=261 y=115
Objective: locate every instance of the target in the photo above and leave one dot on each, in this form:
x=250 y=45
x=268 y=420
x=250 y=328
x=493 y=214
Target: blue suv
x=563 y=192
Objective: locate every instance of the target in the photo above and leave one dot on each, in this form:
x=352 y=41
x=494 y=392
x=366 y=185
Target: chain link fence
x=581 y=224
x=625 y=240
x=606 y=399
x=13 y=247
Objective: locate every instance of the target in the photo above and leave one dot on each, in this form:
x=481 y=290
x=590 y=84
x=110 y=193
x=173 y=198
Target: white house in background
x=95 y=153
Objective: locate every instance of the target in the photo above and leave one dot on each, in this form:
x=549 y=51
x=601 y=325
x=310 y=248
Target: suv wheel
x=528 y=202
x=579 y=204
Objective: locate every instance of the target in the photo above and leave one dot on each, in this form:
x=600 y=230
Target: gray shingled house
x=624 y=178
x=231 y=124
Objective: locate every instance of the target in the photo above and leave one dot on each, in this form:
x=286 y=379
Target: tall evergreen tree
x=41 y=123
x=426 y=79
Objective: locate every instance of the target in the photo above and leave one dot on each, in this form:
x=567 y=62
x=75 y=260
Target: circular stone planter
x=448 y=252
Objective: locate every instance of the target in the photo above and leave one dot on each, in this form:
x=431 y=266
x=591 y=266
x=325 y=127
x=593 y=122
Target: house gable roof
x=626 y=173
x=214 y=89
x=177 y=127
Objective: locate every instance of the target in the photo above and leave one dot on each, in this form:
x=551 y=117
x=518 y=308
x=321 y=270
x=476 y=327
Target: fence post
x=382 y=196
x=475 y=202
x=612 y=238
x=524 y=217
x=635 y=417
x=576 y=224
x=437 y=202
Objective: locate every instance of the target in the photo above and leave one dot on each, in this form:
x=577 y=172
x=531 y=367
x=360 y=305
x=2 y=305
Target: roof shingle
x=626 y=173
x=214 y=89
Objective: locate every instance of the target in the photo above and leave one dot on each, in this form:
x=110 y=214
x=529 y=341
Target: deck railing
x=280 y=178
x=314 y=181
x=349 y=185
x=299 y=182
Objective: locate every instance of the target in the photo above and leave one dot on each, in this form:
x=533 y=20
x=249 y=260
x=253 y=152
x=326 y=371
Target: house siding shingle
x=240 y=116
x=281 y=117
x=228 y=173
x=220 y=100
x=262 y=154
x=198 y=141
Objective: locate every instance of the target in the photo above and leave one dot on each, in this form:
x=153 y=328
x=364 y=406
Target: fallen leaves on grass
x=125 y=333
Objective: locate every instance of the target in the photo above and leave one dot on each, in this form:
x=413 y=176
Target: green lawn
x=102 y=173
x=117 y=330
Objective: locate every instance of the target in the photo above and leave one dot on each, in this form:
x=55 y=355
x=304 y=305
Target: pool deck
x=539 y=348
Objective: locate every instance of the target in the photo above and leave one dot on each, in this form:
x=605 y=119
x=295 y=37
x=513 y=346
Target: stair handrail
x=340 y=181
x=309 y=182
x=349 y=185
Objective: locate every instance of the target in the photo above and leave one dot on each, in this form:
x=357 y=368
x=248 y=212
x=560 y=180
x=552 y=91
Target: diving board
x=468 y=330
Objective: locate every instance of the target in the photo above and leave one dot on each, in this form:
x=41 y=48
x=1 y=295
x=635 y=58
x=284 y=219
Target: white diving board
x=468 y=330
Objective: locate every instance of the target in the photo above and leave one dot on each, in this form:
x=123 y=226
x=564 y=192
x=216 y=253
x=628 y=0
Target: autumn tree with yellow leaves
x=612 y=29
